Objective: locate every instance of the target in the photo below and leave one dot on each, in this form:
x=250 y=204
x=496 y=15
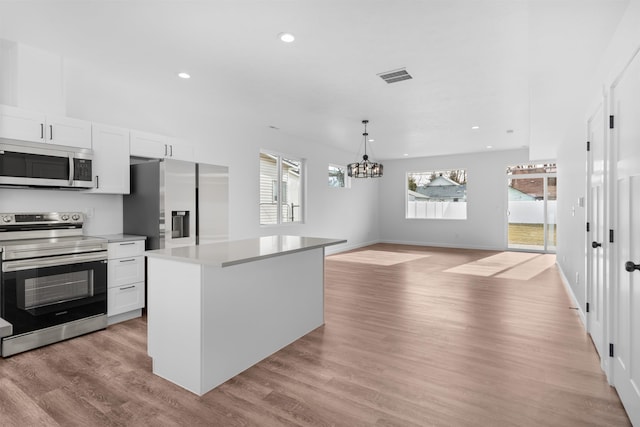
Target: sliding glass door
x=531 y=210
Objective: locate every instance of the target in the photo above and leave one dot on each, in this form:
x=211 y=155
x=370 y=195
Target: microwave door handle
x=71 y=171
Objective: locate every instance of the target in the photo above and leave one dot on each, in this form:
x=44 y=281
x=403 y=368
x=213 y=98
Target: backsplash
x=103 y=212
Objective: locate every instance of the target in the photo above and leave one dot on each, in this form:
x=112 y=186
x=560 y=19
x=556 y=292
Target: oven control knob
x=64 y=217
x=6 y=218
x=75 y=217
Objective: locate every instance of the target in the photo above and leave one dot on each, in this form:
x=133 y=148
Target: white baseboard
x=574 y=300
x=443 y=245
x=332 y=250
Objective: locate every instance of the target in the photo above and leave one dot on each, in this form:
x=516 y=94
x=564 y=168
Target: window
x=437 y=194
x=281 y=187
x=338 y=177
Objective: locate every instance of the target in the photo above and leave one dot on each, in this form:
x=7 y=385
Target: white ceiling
x=498 y=64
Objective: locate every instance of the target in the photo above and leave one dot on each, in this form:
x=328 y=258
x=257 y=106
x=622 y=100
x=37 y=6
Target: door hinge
x=610 y=236
x=587 y=226
x=610 y=350
x=610 y=122
x=587 y=307
x=588 y=146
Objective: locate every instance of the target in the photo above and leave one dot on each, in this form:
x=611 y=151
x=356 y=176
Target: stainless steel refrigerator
x=176 y=203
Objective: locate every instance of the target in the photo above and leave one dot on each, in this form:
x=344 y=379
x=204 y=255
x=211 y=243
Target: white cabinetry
x=25 y=125
x=110 y=159
x=144 y=144
x=125 y=296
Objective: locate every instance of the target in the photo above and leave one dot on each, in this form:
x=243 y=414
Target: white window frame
x=347 y=178
x=438 y=218
x=280 y=157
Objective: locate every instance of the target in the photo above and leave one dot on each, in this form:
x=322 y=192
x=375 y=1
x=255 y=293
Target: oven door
x=41 y=292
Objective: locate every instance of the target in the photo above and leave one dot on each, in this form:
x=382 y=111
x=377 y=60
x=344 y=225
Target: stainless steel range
x=53 y=280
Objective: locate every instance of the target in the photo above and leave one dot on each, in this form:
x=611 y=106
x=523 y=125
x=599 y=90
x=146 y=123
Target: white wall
x=485 y=226
x=572 y=156
x=103 y=212
x=138 y=102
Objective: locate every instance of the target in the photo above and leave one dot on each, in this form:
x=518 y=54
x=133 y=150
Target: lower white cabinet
x=125 y=278
x=125 y=298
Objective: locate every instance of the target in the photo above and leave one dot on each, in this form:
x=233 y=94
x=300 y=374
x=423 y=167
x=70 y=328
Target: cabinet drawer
x=123 y=271
x=126 y=249
x=122 y=299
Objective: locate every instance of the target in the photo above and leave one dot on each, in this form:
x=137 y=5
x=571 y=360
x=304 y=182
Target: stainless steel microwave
x=31 y=164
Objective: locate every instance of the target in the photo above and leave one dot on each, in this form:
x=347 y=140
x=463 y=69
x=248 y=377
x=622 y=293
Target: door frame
x=601 y=113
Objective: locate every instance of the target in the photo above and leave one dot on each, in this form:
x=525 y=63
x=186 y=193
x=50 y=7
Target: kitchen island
x=215 y=310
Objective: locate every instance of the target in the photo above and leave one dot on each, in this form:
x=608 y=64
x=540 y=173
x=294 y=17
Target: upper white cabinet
x=144 y=144
x=180 y=150
x=25 y=125
x=68 y=131
x=110 y=159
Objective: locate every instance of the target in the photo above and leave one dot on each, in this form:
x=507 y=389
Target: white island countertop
x=233 y=252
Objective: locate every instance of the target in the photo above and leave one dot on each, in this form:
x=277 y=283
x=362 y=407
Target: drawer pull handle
x=128 y=243
x=127 y=260
x=128 y=287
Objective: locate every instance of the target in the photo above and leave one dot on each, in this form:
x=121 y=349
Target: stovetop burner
x=25 y=235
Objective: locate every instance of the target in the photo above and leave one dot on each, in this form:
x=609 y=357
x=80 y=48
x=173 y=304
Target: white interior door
x=596 y=243
x=625 y=95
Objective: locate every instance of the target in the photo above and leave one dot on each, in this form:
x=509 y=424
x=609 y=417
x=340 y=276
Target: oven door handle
x=30 y=264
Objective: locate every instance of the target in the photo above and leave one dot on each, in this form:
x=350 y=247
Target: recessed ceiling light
x=184 y=75
x=406 y=154
x=475 y=127
x=370 y=140
x=489 y=147
x=286 y=37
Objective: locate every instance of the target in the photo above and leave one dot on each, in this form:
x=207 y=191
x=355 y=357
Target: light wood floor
x=403 y=345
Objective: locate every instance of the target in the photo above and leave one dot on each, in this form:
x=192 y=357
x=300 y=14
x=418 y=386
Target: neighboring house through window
x=280 y=188
x=338 y=177
x=437 y=194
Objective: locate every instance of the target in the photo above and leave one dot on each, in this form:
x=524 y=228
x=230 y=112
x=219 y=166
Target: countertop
x=225 y=254
x=114 y=238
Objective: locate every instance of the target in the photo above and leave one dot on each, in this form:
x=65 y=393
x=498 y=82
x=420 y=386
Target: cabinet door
x=23 y=125
x=124 y=271
x=67 y=131
x=110 y=159
x=145 y=144
x=122 y=299
x=180 y=150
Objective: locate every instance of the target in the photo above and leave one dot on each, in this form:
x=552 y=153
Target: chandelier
x=365 y=168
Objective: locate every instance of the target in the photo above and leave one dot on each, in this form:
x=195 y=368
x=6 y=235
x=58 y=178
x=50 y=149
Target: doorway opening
x=532 y=207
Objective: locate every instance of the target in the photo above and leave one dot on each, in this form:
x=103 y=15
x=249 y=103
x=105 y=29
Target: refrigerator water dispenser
x=179 y=224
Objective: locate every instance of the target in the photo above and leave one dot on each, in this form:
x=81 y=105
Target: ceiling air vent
x=395 y=75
